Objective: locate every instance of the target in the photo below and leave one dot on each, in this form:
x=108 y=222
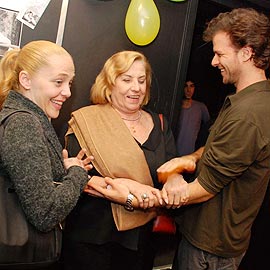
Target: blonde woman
x=111 y=228
x=34 y=83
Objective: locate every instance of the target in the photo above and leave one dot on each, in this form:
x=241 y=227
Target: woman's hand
x=80 y=160
x=95 y=183
x=117 y=190
x=107 y=188
x=147 y=196
x=175 y=191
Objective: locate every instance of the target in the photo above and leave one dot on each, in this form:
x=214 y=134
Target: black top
x=92 y=221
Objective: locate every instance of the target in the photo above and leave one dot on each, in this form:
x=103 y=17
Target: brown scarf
x=100 y=130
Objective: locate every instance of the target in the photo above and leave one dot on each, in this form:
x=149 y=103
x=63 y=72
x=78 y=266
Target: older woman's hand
x=94 y=184
x=117 y=190
x=107 y=188
x=146 y=195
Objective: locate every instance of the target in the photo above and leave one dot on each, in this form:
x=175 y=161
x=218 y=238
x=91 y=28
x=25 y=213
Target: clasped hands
x=173 y=195
x=175 y=191
x=117 y=189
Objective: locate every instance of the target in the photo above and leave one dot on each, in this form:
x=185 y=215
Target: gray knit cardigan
x=31 y=155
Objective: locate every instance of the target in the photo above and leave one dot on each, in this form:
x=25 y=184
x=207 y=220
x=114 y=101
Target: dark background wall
x=95 y=30
x=210 y=88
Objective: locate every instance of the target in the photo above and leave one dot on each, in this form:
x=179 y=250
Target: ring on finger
x=144 y=196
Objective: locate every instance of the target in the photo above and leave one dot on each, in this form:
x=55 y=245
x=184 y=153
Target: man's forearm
x=198 y=154
x=195 y=193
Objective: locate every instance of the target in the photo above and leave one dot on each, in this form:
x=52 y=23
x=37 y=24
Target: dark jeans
x=189 y=257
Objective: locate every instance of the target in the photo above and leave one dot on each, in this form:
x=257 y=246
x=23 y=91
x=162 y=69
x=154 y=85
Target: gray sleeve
x=26 y=158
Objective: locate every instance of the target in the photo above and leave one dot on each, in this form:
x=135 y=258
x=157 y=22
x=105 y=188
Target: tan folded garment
x=103 y=133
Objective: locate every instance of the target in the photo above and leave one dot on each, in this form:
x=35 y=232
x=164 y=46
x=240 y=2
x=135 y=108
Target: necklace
x=126 y=119
x=133 y=120
x=132 y=128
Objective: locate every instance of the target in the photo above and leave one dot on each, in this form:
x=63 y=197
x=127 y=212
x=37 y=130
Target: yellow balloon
x=142 y=21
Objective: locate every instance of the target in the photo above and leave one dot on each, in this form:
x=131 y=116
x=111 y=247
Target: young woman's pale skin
x=49 y=88
x=127 y=96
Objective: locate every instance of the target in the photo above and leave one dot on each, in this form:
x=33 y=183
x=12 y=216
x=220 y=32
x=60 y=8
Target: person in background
x=128 y=143
x=194 y=117
x=233 y=171
x=36 y=80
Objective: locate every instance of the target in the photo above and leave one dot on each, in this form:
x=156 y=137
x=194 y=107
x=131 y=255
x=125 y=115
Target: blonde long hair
x=30 y=58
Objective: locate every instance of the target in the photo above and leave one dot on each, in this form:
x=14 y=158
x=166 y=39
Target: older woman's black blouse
x=91 y=220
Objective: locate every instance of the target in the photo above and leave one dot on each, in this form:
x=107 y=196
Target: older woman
x=128 y=143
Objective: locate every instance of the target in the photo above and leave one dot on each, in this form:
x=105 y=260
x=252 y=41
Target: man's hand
x=174 y=166
x=175 y=191
x=179 y=165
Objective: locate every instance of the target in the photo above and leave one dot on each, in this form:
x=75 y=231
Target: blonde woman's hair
x=33 y=56
x=116 y=65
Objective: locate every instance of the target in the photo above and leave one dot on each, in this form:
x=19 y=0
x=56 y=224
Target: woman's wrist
x=129 y=202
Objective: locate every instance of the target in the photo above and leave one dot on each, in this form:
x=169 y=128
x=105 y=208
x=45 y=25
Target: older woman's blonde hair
x=116 y=65
x=33 y=56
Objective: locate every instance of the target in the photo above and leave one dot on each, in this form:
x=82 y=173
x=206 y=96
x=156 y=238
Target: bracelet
x=128 y=206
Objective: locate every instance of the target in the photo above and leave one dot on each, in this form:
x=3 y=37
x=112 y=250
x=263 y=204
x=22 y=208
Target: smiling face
x=226 y=58
x=50 y=86
x=130 y=88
